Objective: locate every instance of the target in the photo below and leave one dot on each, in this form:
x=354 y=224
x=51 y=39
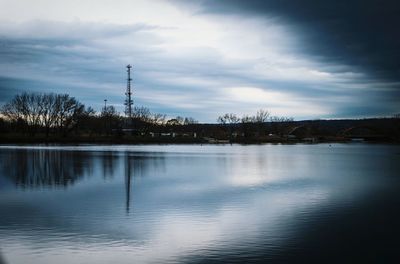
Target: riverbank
x=384 y=130
x=18 y=139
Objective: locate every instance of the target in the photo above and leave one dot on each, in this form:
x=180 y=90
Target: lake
x=199 y=203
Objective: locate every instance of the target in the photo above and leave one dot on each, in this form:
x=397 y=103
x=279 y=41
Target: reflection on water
x=198 y=204
x=128 y=177
x=38 y=168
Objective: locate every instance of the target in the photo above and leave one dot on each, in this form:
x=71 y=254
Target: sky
x=304 y=59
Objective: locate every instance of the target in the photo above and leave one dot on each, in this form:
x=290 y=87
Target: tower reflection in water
x=50 y=168
x=137 y=166
x=128 y=177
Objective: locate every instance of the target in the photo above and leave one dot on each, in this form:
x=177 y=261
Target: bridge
x=361 y=132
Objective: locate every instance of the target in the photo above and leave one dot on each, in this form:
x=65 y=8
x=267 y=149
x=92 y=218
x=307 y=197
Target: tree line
x=61 y=114
x=32 y=111
x=260 y=124
x=261 y=116
x=50 y=115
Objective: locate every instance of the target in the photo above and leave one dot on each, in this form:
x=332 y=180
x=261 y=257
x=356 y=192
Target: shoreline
x=179 y=141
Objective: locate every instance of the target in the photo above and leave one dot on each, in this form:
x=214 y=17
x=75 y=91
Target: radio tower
x=128 y=100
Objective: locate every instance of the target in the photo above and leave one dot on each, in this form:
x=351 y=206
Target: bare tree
x=228 y=118
x=262 y=116
x=142 y=113
x=110 y=118
x=180 y=120
x=222 y=120
x=67 y=109
x=279 y=124
x=109 y=111
x=49 y=113
x=247 y=119
x=13 y=110
x=26 y=107
x=43 y=111
x=189 y=121
x=158 y=119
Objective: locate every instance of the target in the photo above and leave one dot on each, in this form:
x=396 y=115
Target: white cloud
x=178 y=55
x=279 y=103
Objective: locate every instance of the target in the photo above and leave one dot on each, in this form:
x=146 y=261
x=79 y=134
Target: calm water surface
x=199 y=204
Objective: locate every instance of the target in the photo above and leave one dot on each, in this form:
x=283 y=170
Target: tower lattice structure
x=128 y=93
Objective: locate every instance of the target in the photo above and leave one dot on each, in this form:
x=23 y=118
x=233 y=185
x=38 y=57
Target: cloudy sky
x=305 y=59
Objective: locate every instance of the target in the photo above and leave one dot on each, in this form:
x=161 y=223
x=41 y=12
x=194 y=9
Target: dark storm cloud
x=360 y=33
x=210 y=65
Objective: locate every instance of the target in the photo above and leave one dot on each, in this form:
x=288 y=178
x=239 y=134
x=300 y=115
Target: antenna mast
x=128 y=93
